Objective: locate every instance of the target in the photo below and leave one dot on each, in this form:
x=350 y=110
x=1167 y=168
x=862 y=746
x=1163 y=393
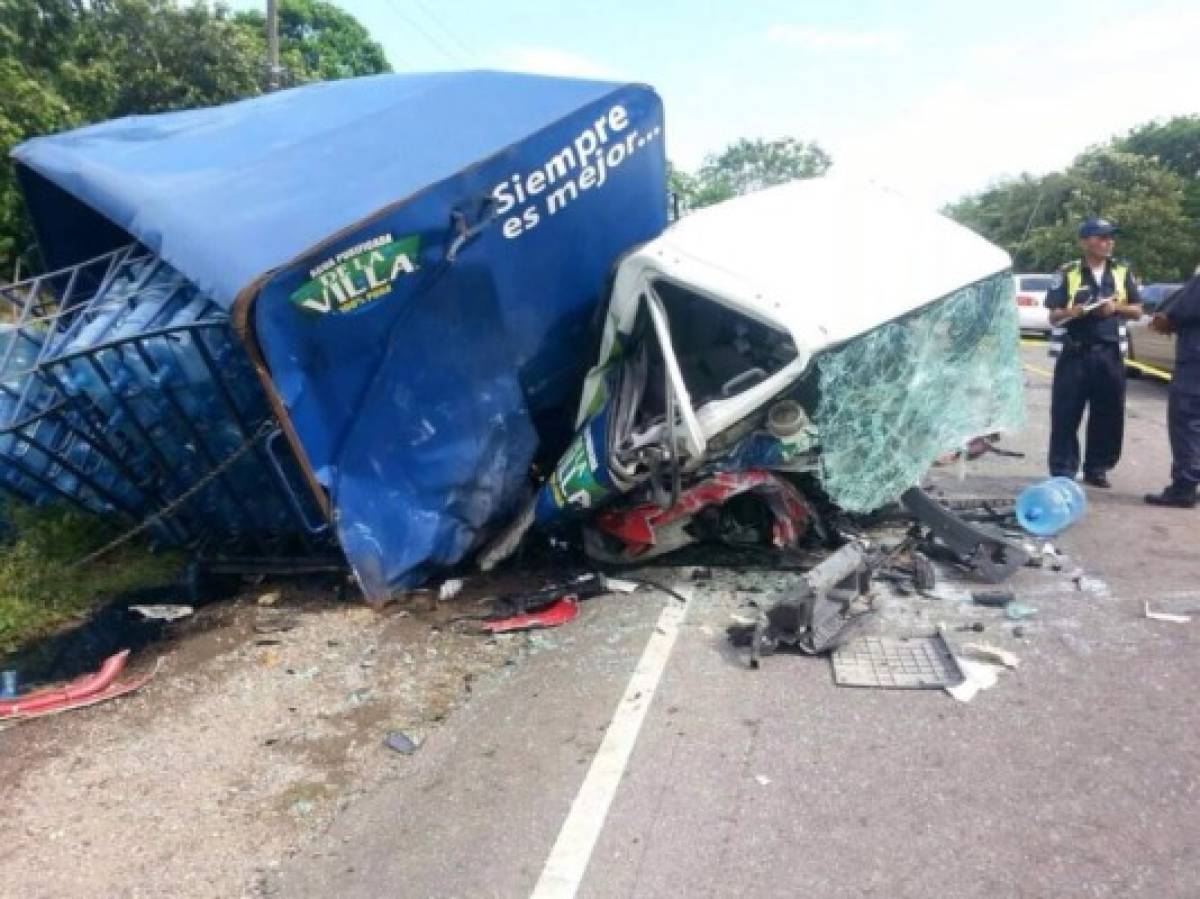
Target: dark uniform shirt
x=1092 y=328
x=1183 y=311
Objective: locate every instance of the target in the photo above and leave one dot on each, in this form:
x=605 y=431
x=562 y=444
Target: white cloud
x=552 y=61
x=812 y=37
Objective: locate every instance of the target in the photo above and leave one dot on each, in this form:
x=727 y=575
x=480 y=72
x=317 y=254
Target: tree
x=1176 y=144
x=65 y=63
x=31 y=37
x=750 y=165
x=26 y=107
x=1035 y=219
x=320 y=42
x=1145 y=199
x=1008 y=213
x=145 y=56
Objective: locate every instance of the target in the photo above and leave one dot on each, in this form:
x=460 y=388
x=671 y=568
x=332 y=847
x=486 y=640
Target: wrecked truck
x=824 y=338
x=364 y=312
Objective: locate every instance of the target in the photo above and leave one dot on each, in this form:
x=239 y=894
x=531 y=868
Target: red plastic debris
x=562 y=610
x=84 y=691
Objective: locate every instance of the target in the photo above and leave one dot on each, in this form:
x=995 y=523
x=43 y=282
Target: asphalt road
x=1076 y=775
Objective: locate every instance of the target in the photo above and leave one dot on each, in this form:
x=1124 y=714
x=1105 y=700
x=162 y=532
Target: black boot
x=1180 y=495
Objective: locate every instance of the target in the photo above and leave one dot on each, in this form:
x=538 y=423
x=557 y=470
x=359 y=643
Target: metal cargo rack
x=124 y=391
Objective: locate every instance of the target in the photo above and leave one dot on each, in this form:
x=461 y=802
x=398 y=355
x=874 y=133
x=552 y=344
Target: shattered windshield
x=896 y=398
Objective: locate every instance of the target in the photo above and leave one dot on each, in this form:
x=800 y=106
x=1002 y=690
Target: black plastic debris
x=977 y=547
x=995 y=599
x=819 y=617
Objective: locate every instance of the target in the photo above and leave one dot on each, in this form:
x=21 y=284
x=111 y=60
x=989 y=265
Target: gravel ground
x=261 y=723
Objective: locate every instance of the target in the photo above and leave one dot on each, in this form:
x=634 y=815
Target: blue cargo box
x=413 y=263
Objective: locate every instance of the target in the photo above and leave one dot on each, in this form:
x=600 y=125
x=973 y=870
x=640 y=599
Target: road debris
x=162 y=612
x=450 y=589
x=898 y=663
x=88 y=690
x=400 y=742
x=996 y=599
x=1164 y=616
x=618 y=585
x=822 y=614
x=980 y=549
x=977 y=676
x=1017 y=611
x=985 y=652
x=924 y=574
x=557 y=613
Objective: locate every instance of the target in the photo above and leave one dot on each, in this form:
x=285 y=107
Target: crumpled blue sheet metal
x=416 y=261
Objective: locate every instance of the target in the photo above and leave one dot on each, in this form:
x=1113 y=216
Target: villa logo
x=359 y=275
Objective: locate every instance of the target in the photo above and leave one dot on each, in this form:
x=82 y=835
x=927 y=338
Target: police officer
x=1089 y=302
x=1180 y=315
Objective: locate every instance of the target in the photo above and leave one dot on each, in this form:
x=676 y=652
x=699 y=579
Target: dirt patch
x=263 y=722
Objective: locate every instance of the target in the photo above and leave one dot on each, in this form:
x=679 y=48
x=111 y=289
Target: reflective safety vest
x=1073 y=281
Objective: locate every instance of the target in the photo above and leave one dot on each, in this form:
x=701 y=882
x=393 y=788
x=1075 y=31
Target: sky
x=936 y=98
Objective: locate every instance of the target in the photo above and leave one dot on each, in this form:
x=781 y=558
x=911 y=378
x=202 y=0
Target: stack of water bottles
x=122 y=388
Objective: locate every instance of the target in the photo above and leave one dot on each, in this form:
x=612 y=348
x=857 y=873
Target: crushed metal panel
x=897 y=663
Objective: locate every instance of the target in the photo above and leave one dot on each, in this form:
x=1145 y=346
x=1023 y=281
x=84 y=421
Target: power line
x=433 y=41
x=440 y=23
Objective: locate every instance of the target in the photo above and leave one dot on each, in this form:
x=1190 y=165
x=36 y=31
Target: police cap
x=1097 y=227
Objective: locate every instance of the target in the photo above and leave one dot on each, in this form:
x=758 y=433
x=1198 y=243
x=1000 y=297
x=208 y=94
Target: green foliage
x=1176 y=144
x=746 y=166
x=144 y=56
x=1036 y=219
x=64 y=63
x=39 y=590
x=27 y=106
x=319 y=42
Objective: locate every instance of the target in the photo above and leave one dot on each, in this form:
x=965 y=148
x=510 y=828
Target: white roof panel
x=826 y=259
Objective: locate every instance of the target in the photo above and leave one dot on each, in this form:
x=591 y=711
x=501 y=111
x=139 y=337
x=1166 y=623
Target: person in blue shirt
x=1089 y=302
x=1180 y=315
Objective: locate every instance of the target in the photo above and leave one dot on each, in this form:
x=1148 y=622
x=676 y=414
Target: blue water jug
x=1049 y=507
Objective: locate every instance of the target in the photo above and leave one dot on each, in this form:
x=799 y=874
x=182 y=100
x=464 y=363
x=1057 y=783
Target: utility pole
x=272 y=45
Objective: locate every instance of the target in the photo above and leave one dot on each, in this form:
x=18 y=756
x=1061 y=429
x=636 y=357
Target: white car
x=1031 y=302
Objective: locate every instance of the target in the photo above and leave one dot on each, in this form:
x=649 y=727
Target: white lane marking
x=572 y=851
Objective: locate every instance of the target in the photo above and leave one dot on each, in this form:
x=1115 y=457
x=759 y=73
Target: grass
x=41 y=590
